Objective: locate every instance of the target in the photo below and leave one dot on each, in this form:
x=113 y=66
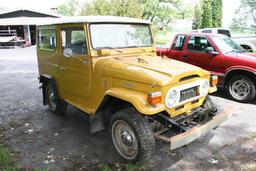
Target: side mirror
x=211 y=51
x=67 y=52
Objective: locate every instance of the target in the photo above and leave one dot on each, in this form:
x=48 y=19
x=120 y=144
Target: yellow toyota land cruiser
x=108 y=68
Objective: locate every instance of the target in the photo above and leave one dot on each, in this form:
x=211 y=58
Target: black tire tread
x=140 y=125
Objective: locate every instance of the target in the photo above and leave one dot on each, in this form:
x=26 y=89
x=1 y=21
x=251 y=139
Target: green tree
x=216 y=8
x=206 y=14
x=160 y=12
x=69 y=8
x=128 y=8
x=197 y=19
x=245 y=16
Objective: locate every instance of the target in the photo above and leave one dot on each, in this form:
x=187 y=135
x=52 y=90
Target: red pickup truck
x=221 y=56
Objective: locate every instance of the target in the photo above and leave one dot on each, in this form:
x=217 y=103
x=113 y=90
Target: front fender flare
x=244 y=68
x=137 y=99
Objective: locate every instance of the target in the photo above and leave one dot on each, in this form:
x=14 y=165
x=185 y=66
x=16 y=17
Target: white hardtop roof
x=93 y=19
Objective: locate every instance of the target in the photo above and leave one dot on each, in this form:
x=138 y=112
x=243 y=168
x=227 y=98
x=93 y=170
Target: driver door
x=75 y=66
x=196 y=54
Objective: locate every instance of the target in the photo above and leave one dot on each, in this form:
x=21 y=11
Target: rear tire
x=55 y=104
x=132 y=136
x=241 y=88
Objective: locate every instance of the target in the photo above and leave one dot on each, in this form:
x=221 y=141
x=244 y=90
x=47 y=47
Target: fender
x=137 y=99
x=244 y=68
x=45 y=77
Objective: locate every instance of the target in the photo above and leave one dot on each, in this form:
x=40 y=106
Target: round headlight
x=172 y=98
x=204 y=88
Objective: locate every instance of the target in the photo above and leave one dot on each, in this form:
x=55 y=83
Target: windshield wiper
x=111 y=48
x=234 y=50
x=134 y=46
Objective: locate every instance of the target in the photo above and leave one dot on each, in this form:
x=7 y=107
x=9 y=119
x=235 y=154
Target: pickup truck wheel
x=55 y=104
x=132 y=136
x=241 y=88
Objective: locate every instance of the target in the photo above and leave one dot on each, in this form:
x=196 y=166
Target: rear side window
x=74 y=39
x=225 y=32
x=206 y=31
x=47 y=39
x=179 y=42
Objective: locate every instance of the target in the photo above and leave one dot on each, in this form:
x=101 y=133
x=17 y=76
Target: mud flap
x=96 y=123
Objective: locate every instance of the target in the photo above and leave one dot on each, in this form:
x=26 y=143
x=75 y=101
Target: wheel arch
x=239 y=71
x=117 y=99
x=44 y=78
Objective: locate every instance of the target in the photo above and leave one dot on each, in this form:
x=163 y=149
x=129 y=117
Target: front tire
x=208 y=104
x=132 y=136
x=241 y=88
x=55 y=104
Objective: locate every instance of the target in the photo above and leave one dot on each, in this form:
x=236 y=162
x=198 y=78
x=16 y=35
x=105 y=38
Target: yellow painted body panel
x=128 y=74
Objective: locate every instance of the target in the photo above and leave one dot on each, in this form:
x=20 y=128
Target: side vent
x=105 y=84
x=189 y=77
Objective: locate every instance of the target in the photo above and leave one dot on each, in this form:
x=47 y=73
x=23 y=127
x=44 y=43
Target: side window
x=206 y=31
x=47 y=39
x=74 y=39
x=197 y=43
x=179 y=42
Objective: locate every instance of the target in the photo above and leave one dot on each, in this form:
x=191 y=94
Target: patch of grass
x=218 y=156
x=37 y=169
x=105 y=168
x=135 y=167
x=252 y=136
x=249 y=167
x=6 y=160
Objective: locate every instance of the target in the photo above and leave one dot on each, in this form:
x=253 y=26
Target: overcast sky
x=228 y=6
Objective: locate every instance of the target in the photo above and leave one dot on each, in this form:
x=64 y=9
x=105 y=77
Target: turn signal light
x=154 y=98
x=214 y=80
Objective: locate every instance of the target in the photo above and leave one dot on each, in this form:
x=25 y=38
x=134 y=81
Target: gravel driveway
x=41 y=139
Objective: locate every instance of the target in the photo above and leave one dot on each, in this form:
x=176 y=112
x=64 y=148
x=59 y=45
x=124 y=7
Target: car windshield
x=227 y=45
x=120 y=35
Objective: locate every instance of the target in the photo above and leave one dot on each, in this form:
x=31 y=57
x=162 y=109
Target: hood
x=246 y=55
x=149 y=69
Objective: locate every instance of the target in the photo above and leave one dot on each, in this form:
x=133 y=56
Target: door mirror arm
x=211 y=51
x=68 y=53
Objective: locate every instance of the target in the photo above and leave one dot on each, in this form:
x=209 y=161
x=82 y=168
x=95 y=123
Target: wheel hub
x=52 y=99
x=127 y=139
x=124 y=139
x=240 y=89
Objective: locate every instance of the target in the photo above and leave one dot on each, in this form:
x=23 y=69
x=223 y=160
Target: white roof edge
x=93 y=19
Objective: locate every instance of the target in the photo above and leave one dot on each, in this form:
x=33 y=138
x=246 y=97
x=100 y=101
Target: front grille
x=188 y=93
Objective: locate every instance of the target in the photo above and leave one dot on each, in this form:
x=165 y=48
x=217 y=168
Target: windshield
x=120 y=35
x=227 y=45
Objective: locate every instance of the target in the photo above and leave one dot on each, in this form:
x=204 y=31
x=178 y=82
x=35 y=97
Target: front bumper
x=195 y=132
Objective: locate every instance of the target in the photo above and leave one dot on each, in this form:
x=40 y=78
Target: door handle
x=62 y=68
x=184 y=57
